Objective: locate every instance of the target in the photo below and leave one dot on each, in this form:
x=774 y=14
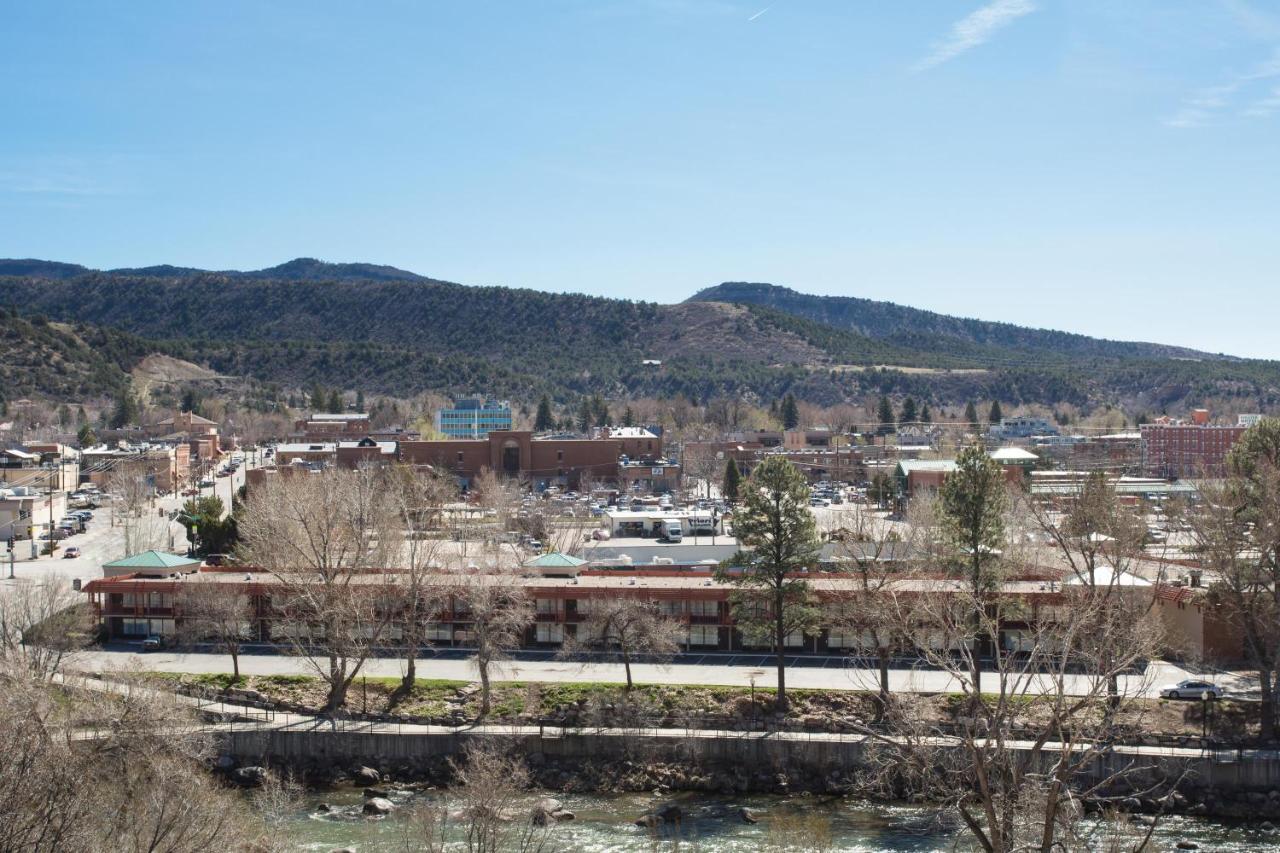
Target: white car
x=1190 y=689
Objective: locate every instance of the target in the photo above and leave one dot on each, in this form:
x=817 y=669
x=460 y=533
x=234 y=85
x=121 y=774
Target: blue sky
x=1105 y=167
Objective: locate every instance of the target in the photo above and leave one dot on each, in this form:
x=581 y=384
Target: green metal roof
x=152 y=560
x=555 y=560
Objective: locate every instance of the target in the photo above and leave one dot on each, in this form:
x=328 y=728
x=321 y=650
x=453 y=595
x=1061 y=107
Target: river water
x=605 y=824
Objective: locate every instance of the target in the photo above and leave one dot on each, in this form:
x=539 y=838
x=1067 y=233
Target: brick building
x=516 y=453
x=149 y=602
x=1187 y=450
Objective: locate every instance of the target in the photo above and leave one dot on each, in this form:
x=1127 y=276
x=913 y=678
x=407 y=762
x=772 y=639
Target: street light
x=1206 y=698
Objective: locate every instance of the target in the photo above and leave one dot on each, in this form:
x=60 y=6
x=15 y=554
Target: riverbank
x=449 y=702
x=1138 y=780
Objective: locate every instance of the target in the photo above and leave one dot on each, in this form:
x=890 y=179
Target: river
x=605 y=824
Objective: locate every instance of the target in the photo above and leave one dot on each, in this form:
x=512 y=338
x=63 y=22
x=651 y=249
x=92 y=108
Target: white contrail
x=758 y=14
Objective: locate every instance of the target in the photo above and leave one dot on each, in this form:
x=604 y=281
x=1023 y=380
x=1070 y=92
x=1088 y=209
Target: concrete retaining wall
x=1224 y=771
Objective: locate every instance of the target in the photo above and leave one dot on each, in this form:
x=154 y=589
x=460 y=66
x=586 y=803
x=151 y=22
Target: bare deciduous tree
x=419 y=499
x=499 y=611
x=83 y=770
x=41 y=623
x=142 y=526
x=494 y=781
x=1236 y=528
x=1100 y=540
x=325 y=539
x=1021 y=760
x=209 y=612
x=874 y=553
x=632 y=625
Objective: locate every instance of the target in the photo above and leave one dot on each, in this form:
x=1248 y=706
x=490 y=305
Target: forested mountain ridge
x=909 y=326
x=299 y=269
x=404 y=335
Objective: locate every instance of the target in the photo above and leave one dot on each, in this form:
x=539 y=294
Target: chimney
x=1200 y=417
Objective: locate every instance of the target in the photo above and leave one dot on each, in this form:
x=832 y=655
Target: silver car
x=1190 y=689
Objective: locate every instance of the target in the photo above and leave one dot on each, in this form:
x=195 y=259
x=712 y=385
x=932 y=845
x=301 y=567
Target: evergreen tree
x=599 y=411
x=85 y=436
x=772 y=600
x=926 y=417
x=732 y=480
x=584 y=415
x=909 y=414
x=628 y=417
x=318 y=400
x=335 y=402
x=544 y=420
x=125 y=412
x=971 y=415
x=360 y=401
x=191 y=401
x=790 y=413
x=996 y=415
x=973 y=500
x=884 y=414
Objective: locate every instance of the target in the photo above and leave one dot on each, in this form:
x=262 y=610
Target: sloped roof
x=555 y=560
x=1013 y=454
x=152 y=560
x=946 y=466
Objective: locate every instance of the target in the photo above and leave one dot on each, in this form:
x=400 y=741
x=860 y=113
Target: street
x=103 y=539
x=453 y=666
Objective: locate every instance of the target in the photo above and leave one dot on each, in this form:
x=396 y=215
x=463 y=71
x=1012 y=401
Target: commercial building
x=1175 y=449
x=326 y=426
x=516 y=453
x=474 y=417
x=915 y=476
x=1023 y=427
x=563 y=591
x=165 y=467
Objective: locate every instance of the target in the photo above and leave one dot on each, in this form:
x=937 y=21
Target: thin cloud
x=976 y=29
x=1265 y=107
x=1200 y=108
x=29 y=183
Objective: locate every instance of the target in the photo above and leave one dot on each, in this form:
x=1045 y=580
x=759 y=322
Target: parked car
x=206 y=483
x=71 y=553
x=190 y=493
x=1190 y=689
x=153 y=643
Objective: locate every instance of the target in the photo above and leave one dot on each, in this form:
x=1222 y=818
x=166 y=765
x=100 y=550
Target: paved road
x=823 y=678
x=103 y=541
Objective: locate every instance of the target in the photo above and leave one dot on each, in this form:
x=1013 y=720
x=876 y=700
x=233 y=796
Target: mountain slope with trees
x=913 y=327
x=55 y=360
x=377 y=328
